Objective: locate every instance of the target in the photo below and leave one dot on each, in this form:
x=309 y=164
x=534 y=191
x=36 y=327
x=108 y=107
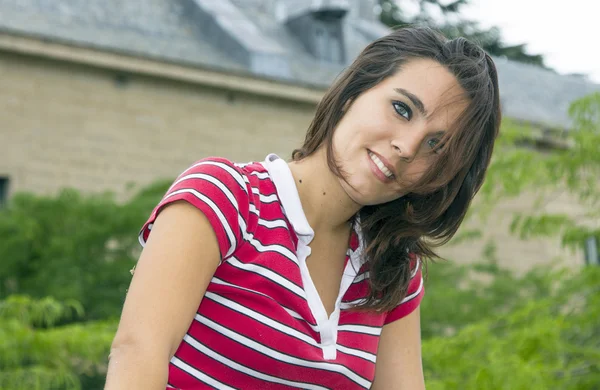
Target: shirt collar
x=287 y=191
x=288 y=194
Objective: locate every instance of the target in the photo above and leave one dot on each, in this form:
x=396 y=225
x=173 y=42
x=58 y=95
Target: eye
x=432 y=143
x=403 y=110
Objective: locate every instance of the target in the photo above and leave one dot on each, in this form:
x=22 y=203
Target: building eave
x=231 y=81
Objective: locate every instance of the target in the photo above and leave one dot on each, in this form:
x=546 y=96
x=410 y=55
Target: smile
x=381 y=165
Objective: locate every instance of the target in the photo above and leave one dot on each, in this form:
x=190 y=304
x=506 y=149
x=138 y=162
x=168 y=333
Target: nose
x=406 y=146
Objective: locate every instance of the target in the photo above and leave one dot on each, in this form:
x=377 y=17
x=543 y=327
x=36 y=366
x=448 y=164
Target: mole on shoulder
x=300 y=180
x=323 y=193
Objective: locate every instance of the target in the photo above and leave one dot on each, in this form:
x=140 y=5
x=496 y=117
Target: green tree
x=38 y=353
x=573 y=169
x=549 y=342
x=65 y=264
x=460 y=295
x=445 y=16
x=73 y=246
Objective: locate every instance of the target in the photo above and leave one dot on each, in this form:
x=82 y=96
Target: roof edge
x=103 y=59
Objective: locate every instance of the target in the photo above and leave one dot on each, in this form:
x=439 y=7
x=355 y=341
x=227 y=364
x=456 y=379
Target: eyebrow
x=414 y=99
x=440 y=133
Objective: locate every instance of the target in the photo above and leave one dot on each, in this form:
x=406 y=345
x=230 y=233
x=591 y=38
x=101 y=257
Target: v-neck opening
x=287 y=192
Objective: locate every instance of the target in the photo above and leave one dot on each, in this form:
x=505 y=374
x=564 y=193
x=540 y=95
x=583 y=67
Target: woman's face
x=387 y=133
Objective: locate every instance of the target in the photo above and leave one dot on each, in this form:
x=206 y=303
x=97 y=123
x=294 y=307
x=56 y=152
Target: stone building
x=98 y=94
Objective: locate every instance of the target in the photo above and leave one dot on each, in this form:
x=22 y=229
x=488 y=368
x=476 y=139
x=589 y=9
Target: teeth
x=381 y=166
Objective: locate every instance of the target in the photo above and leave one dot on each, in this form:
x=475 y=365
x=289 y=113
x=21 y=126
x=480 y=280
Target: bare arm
x=170 y=280
x=399 y=364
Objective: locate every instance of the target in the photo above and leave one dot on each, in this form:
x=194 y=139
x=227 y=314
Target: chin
x=363 y=194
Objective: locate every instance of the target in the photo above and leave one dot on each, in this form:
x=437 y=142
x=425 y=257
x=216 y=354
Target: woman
x=307 y=274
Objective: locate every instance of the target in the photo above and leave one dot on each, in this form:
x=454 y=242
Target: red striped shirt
x=261 y=323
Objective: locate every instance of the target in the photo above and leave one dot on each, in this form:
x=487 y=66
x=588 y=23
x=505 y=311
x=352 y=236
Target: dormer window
x=319 y=26
x=328 y=42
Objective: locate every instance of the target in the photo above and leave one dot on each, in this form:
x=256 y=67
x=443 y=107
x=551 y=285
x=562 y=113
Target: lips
x=382 y=164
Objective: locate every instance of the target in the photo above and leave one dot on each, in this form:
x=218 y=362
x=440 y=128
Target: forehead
x=432 y=82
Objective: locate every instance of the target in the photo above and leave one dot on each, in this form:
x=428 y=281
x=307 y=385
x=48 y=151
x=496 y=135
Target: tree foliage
x=445 y=16
x=36 y=352
x=535 y=332
x=572 y=170
x=72 y=246
x=65 y=264
x=460 y=295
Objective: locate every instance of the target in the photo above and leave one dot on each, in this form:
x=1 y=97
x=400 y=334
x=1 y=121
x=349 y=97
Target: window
x=3 y=190
x=327 y=41
x=319 y=25
x=592 y=254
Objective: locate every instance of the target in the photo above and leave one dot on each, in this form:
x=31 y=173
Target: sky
x=563 y=32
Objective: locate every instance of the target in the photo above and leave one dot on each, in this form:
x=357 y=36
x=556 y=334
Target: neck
x=326 y=205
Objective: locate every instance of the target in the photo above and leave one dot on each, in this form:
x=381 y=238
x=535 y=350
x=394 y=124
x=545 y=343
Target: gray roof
x=249 y=36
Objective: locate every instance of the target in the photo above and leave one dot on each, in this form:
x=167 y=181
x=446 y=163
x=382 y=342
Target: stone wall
x=70 y=125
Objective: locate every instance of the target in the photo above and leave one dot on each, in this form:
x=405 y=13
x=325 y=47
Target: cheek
x=348 y=137
x=366 y=122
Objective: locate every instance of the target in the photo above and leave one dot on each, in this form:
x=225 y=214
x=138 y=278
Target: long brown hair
x=434 y=209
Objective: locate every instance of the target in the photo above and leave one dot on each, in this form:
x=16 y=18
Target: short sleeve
x=217 y=187
x=413 y=296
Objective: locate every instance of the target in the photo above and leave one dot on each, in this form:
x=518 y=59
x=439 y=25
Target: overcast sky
x=565 y=32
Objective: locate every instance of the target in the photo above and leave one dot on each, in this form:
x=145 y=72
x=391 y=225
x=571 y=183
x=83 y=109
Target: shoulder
x=221 y=167
x=226 y=185
x=222 y=190
x=220 y=173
